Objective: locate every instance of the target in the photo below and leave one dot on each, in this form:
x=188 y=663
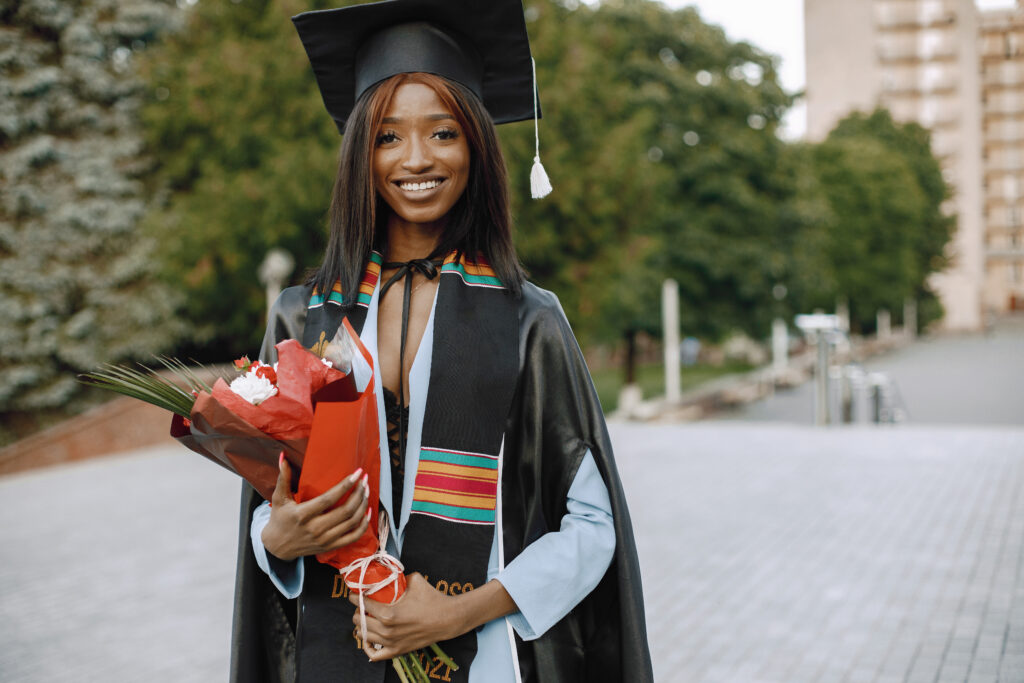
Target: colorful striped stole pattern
x=456 y=486
x=370 y=278
x=473 y=273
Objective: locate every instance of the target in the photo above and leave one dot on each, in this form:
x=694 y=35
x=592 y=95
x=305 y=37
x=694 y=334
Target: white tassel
x=540 y=186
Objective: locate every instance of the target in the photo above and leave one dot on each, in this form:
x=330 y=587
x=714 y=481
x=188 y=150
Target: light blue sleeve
x=555 y=572
x=288 y=577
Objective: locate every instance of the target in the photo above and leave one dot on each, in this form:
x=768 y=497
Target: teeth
x=419 y=187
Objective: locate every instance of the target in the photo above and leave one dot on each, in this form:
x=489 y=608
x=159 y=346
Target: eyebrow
x=429 y=117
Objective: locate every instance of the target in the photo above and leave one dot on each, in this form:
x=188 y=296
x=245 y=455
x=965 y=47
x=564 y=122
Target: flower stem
x=448 y=661
x=418 y=667
x=400 y=668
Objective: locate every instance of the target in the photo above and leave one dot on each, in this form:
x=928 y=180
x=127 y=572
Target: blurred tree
x=75 y=276
x=876 y=205
x=589 y=241
x=929 y=236
x=247 y=159
x=660 y=137
x=659 y=133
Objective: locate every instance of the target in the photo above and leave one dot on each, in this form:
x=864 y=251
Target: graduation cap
x=481 y=45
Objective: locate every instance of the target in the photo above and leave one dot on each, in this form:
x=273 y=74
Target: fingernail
x=369 y=513
x=280 y=459
x=355 y=475
x=366 y=481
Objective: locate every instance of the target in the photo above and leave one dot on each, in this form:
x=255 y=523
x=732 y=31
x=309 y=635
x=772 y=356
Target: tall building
x=1002 y=82
x=959 y=72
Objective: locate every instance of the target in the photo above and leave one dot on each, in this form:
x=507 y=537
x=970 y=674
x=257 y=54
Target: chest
x=394 y=364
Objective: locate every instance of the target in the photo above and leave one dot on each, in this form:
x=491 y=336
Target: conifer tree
x=76 y=288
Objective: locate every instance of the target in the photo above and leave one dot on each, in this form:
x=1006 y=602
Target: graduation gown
x=553 y=420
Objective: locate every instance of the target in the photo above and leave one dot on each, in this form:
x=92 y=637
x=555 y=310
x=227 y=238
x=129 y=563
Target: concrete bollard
x=883 y=326
x=670 y=324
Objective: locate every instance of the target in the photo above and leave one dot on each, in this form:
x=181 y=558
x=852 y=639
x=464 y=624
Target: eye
x=446 y=134
x=386 y=138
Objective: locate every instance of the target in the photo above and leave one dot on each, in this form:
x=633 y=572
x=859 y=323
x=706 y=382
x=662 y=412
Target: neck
x=408 y=241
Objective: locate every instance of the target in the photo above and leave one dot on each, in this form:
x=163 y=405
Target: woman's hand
x=311 y=527
x=424 y=615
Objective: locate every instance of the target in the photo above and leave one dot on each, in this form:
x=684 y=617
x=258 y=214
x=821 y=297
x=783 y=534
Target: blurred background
x=765 y=216
x=154 y=154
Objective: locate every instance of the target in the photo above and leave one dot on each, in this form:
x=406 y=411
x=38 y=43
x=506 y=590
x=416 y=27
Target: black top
x=398 y=431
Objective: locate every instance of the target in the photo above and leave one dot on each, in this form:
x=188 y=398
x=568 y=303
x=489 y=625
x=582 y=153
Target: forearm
x=477 y=607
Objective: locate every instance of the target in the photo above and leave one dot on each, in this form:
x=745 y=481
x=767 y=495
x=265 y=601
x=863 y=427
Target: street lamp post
x=275 y=269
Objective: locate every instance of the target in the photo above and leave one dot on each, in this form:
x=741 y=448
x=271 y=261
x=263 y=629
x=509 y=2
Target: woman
x=501 y=494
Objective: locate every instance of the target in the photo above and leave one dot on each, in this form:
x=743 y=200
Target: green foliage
x=76 y=287
x=888 y=232
x=659 y=136
x=247 y=158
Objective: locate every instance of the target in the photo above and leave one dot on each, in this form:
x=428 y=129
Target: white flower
x=253 y=388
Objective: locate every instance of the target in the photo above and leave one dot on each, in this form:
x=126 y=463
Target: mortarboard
x=481 y=45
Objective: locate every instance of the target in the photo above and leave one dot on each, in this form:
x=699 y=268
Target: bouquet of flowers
x=310 y=410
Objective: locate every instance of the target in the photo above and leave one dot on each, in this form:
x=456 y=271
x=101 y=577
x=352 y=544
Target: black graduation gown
x=554 y=419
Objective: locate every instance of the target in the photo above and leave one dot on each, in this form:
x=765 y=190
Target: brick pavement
x=770 y=554
x=109 y=574
x=783 y=554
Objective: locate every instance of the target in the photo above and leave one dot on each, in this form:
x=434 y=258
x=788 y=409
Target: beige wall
x=1002 y=76
x=842 y=76
x=960 y=287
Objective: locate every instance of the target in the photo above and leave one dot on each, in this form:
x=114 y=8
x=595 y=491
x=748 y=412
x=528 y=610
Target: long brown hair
x=480 y=223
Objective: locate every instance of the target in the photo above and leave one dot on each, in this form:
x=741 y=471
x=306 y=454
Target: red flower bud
x=243 y=363
x=267 y=371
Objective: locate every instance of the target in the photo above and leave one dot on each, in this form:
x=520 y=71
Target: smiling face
x=420 y=157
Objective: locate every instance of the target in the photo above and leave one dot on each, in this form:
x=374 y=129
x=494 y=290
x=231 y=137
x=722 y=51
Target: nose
x=417 y=158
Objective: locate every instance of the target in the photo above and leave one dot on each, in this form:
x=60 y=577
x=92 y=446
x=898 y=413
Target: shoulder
x=536 y=301
x=542 y=320
x=291 y=300
x=286 y=319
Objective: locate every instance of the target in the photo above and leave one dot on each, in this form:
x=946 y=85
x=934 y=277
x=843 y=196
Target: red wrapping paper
x=345 y=436
x=247 y=438
x=324 y=426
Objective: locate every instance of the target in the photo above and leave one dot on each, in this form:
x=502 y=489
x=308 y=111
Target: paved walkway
x=118 y=569
x=786 y=554
x=950 y=379
x=770 y=553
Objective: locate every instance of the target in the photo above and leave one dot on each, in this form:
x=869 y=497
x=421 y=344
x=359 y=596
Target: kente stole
x=450 y=530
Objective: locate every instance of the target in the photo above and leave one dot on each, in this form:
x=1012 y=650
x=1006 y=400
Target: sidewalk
x=943 y=379
x=780 y=554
